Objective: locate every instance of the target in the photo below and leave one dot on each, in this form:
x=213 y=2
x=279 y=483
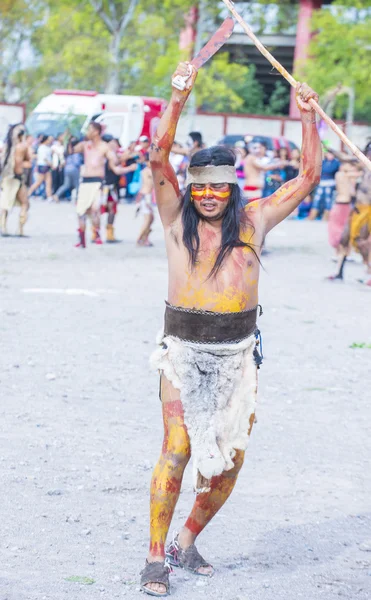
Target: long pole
x=192 y=107
x=361 y=157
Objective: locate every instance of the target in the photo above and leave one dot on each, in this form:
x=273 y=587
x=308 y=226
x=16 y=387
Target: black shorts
x=43 y=169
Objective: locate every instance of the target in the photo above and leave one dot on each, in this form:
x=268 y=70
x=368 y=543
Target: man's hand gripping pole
x=179 y=82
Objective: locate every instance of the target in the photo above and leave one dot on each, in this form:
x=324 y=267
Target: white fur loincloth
x=10 y=187
x=218 y=386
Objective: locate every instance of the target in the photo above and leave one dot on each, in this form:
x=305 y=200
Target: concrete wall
x=213 y=127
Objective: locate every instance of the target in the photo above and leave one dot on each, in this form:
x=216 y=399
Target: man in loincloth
x=17 y=159
x=208 y=353
x=96 y=153
x=357 y=233
x=346 y=179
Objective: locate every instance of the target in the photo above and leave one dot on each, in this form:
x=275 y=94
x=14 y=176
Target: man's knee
x=238 y=462
x=176 y=446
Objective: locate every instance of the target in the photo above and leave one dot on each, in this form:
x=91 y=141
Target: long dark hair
x=9 y=141
x=233 y=217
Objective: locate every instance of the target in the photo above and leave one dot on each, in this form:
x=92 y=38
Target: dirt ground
x=80 y=423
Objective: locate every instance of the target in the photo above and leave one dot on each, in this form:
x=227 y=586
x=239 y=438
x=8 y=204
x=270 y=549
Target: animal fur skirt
x=218 y=387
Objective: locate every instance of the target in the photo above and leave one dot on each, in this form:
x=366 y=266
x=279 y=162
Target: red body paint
x=173 y=409
x=157 y=549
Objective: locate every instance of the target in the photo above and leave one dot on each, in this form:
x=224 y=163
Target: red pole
x=303 y=37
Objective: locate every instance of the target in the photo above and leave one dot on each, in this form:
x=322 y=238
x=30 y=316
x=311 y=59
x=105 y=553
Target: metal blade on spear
x=361 y=157
x=216 y=41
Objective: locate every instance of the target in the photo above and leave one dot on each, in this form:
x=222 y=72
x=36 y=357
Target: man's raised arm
x=165 y=181
x=280 y=205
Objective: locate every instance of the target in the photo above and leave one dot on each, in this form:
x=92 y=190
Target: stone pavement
x=80 y=423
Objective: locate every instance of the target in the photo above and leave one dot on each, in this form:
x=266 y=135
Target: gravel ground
x=80 y=423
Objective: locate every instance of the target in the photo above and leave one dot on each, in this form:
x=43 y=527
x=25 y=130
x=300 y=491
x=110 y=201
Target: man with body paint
x=357 y=233
x=208 y=354
x=17 y=157
x=96 y=153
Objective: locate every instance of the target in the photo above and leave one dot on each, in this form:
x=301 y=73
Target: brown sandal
x=189 y=559
x=155 y=572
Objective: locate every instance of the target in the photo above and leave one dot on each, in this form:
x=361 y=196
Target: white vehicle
x=124 y=117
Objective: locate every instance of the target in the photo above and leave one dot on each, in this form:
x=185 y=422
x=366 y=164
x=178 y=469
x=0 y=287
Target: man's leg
x=95 y=221
x=168 y=474
x=25 y=205
x=110 y=231
x=145 y=230
x=208 y=504
x=317 y=198
x=4 y=218
x=81 y=231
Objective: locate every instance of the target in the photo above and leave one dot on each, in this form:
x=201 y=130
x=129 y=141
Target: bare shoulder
x=253 y=210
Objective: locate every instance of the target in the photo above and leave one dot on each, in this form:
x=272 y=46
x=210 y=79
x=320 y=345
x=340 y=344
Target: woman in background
x=43 y=167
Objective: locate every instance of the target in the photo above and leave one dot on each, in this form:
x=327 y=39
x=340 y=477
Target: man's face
x=259 y=149
x=92 y=133
x=211 y=199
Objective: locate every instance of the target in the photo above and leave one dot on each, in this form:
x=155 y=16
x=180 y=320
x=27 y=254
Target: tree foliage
x=132 y=47
x=340 y=53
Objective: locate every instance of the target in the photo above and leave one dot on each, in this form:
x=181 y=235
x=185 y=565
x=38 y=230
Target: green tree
x=249 y=90
x=18 y=18
x=340 y=53
x=278 y=100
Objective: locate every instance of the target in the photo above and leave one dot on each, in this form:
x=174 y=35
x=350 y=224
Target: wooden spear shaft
x=361 y=157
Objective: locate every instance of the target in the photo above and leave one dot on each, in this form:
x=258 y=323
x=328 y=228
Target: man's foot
x=81 y=243
x=154 y=579
x=188 y=559
x=364 y=282
x=337 y=277
x=96 y=239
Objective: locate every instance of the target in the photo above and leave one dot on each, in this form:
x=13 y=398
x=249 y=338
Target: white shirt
x=44 y=155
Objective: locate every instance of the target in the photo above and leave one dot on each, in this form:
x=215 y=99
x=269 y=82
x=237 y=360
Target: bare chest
x=233 y=287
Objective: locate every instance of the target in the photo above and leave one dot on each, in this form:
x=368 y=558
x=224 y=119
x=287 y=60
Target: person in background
x=73 y=162
x=179 y=162
x=144 y=143
x=27 y=171
x=255 y=164
x=276 y=175
x=346 y=180
x=194 y=144
x=325 y=191
x=15 y=157
x=357 y=233
x=96 y=153
x=241 y=152
x=130 y=157
x=144 y=199
x=43 y=167
x=58 y=161
x=110 y=190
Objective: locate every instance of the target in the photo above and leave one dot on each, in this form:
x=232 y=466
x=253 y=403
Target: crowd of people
x=96 y=174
